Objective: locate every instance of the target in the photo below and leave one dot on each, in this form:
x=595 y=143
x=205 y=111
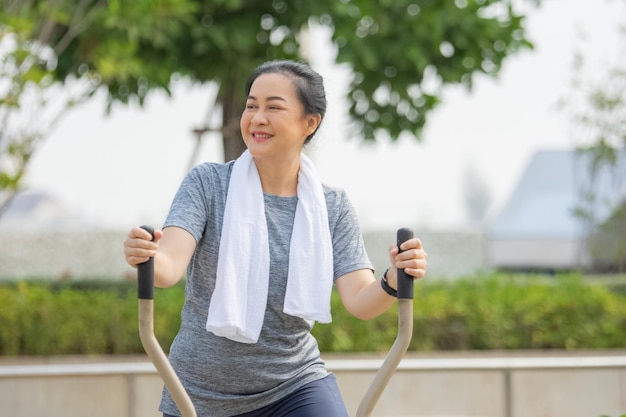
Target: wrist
x=386 y=286
x=391 y=276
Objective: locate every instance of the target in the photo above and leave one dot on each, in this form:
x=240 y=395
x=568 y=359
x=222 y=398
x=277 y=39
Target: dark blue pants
x=318 y=398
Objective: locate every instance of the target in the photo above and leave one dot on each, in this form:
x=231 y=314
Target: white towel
x=238 y=303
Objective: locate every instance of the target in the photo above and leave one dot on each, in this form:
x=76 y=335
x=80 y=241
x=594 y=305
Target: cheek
x=243 y=124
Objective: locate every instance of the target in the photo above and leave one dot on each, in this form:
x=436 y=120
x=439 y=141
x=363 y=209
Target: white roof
x=543 y=202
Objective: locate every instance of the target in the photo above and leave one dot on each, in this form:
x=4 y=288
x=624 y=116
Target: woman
x=262 y=241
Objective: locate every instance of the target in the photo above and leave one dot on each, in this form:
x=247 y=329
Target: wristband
x=385 y=286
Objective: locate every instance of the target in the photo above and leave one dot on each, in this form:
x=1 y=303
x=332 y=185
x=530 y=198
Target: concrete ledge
x=503 y=386
x=33 y=371
x=499 y=363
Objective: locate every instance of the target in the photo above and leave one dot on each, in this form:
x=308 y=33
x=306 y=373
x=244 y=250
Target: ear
x=312 y=122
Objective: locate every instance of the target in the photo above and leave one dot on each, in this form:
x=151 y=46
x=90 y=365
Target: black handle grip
x=405 y=281
x=145 y=274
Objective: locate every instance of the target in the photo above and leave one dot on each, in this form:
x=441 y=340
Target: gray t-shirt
x=223 y=377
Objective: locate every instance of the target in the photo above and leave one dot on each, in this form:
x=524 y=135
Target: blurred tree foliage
x=400 y=52
x=32 y=98
x=597 y=105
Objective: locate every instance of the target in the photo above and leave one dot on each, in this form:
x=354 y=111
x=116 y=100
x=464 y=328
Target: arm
x=172 y=249
x=360 y=290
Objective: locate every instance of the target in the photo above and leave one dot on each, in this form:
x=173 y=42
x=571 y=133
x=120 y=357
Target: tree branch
x=15 y=5
x=48 y=26
x=76 y=28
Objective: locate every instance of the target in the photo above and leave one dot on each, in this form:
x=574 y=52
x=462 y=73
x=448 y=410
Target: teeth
x=261 y=136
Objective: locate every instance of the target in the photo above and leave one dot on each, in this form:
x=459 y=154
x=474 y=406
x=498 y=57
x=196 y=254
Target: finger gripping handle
x=405 y=281
x=145 y=274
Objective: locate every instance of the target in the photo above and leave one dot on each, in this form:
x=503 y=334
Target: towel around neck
x=239 y=300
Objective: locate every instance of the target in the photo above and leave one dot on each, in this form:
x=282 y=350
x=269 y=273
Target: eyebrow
x=269 y=98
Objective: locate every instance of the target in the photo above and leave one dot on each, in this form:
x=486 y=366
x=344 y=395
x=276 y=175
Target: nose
x=259 y=118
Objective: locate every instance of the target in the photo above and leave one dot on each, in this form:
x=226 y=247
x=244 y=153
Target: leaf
x=218 y=42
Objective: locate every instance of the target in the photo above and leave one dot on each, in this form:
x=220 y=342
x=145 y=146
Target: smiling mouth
x=261 y=136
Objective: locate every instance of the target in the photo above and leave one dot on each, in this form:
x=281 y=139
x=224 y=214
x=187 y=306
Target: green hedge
x=39 y=318
x=495 y=312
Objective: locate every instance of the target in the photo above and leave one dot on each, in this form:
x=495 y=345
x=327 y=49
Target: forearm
x=371 y=301
x=171 y=248
x=172 y=257
x=165 y=272
x=362 y=294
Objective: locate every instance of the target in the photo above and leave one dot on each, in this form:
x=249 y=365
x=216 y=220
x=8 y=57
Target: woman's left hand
x=413 y=259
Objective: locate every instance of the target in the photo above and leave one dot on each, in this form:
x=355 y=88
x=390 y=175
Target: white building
x=538 y=228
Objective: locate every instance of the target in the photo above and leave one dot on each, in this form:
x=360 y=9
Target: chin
x=258 y=145
x=256 y=150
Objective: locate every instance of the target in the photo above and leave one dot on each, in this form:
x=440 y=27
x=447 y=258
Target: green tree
x=32 y=100
x=401 y=52
x=598 y=118
x=35 y=89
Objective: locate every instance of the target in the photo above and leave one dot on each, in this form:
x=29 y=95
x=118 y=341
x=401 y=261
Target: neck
x=279 y=178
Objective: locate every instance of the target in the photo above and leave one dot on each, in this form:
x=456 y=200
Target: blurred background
x=494 y=128
x=100 y=137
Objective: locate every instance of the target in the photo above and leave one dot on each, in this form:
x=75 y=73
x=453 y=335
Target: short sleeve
x=190 y=209
x=349 y=250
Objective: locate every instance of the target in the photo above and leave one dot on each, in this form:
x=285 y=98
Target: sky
x=123 y=169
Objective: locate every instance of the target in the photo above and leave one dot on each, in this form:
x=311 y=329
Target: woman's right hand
x=139 y=246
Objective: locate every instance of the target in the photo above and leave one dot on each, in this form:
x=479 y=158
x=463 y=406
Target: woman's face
x=273 y=123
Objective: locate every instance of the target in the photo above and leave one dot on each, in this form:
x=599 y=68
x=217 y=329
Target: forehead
x=273 y=85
